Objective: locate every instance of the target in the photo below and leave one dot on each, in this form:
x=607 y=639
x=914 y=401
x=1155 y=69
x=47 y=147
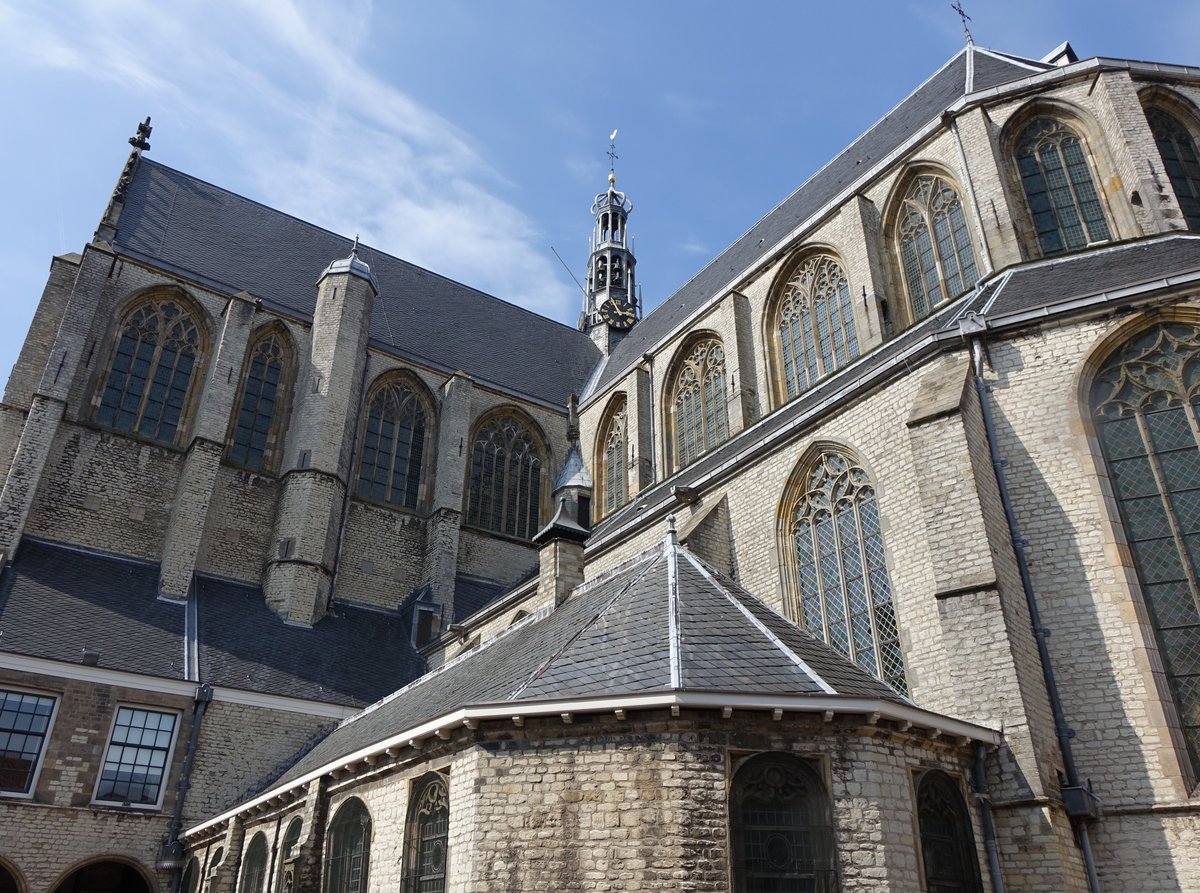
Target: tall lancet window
x=349 y=849
x=506 y=477
x=948 y=854
x=1059 y=187
x=158 y=350
x=260 y=416
x=1146 y=405
x=934 y=244
x=614 y=455
x=816 y=323
x=698 y=397
x=394 y=444
x=844 y=591
x=427 y=836
x=1177 y=146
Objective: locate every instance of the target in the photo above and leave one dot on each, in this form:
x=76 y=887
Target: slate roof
x=233 y=244
x=665 y=624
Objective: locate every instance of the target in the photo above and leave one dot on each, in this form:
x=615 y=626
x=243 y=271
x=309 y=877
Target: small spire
x=672 y=535
x=141 y=139
x=573 y=419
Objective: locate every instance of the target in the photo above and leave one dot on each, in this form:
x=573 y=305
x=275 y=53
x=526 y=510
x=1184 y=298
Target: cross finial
x=141 y=139
x=612 y=156
x=962 y=14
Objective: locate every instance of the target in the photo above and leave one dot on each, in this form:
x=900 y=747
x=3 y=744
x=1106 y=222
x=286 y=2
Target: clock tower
x=612 y=306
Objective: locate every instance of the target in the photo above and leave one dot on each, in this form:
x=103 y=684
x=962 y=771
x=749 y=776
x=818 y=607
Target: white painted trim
x=41 y=758
x=164 y=780
x=101 y=676
x=671 y=548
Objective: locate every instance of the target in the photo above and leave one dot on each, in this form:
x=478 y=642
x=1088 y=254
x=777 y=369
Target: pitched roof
x=233 y=244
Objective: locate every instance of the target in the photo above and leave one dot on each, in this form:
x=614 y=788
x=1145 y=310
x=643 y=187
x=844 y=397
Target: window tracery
x=506 y=477
x=349 y=849
x=427 y=836
x=816 y=323
x=146 y=390
x=1059 y=187
x=947 y=844
x=698 y=399
x=934 y=244
x=394 y=445
x=614 y=459
x=845 y=594
x=1177 y=147
x=254 y=865
x=260 y=411
x=1146 y=405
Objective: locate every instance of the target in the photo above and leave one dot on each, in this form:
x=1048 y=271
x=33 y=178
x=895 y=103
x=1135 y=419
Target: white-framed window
x=26 y=718
x=138 y=758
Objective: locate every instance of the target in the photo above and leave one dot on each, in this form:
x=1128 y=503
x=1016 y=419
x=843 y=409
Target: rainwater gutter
x=172 y=855
x=980 y=785
x=1082 y=806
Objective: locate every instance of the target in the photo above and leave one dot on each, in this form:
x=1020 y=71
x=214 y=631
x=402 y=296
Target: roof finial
x=957 y=7
x=141 y=139
x=354 y=247
x=572 y=419
x=612 y=158
x=672 y=536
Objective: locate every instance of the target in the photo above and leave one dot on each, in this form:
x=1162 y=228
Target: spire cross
x=962 y=14
x=612 y=152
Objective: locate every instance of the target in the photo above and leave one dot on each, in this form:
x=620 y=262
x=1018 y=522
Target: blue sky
x=468 y=137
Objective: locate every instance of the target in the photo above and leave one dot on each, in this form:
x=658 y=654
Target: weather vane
x=962 y=14
x=612 y=151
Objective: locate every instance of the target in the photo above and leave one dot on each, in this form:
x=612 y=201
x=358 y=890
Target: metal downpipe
x=980 y=785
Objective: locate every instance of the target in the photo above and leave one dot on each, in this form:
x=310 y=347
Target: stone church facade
x=867 y=560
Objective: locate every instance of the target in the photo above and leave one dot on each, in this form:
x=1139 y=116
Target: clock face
x=618 y=314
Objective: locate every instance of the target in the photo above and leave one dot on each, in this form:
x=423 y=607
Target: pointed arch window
x=1059 y=187
x=505 y=494
x=260 y=416
x=1177 y=146
x=698 y=398
x=781 y=828
x=288 y=851
x=394 y=444
x=427 y=836
x=934 y=244
x=1146 y=406
x=816 y=323
x=349 y=849
x=845 y=594
x=158 y=349
x=254 y=865
x=948 y=853
x=614 y=444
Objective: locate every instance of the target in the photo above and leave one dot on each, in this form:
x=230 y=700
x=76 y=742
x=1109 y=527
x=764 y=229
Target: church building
x=867 y=560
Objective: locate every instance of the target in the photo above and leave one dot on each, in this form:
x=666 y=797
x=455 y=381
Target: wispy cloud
x=274 y=88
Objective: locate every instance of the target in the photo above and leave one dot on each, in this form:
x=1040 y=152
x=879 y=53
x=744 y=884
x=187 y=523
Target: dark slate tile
x=990 y=71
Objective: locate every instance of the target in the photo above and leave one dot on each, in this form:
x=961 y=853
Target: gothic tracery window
x=1177 y=146
x=427 y=836
x=701 y=420
x=614 y=445
x=394 y=444
x=816 y=323
x=948 y=853
x=256 y=429
x=1146 y=405
x=158 y=349
x=934 y=244
x=254 y=865
x=349 y=849
x=845 y=594
x=781 y=828
x=1059 y=187
x=506 y=477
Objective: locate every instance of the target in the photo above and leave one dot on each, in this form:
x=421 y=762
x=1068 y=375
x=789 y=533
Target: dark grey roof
x=472 y=595
x=925 y=104
x=191 y=227
x=666 y=623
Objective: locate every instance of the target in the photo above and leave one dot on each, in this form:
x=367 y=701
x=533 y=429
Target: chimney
x=560 y=555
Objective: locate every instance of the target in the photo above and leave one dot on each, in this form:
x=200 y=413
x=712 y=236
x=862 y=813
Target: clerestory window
x=1177 y=146
x=614 y=457
x=814 y=324
x=505 y=495
x=934 y=244
x=395 y=443
x=258 y=425
x=698 y=398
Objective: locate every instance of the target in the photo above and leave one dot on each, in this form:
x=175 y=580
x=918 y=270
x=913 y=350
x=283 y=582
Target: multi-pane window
x=158 y=350
x=288 y=851
x=1146 y=404
x=844 y=590
x=349 y=849
x=259 y=416
x=24 y=725
x=614 y=459
x=698 y=401
x=427 y=836
x=947 y=843
x=506 y=478
x=393 y=448
x=1059 y=187
x=1177 y=147
x=934 y=244
x=781 y=828
x=816 y=323
x=254 y=865
x=138 y=755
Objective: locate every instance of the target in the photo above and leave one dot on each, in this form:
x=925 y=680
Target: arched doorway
x=8 y=880
x=108 y=876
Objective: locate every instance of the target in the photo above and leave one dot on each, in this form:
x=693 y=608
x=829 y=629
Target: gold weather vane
x=962 y=14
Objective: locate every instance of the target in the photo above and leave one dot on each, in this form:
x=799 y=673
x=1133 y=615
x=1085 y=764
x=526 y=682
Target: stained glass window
x=1146 y=403
x=158 y=349
x=1059 y=187
x=506 y=478
x=614 y=459
x=428 y=833
x=947 y=842
x=934 y=244
x=816 y=323
x=24 y=724
x=845 y=593
x=1177 y=147
x=138 y=756
x=698 y=398
x=256 y=427
x=349 y=849
x=254 y=865
x=781 y=828
x=393 y=449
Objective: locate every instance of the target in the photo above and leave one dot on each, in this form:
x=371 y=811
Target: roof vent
x=88 y=657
